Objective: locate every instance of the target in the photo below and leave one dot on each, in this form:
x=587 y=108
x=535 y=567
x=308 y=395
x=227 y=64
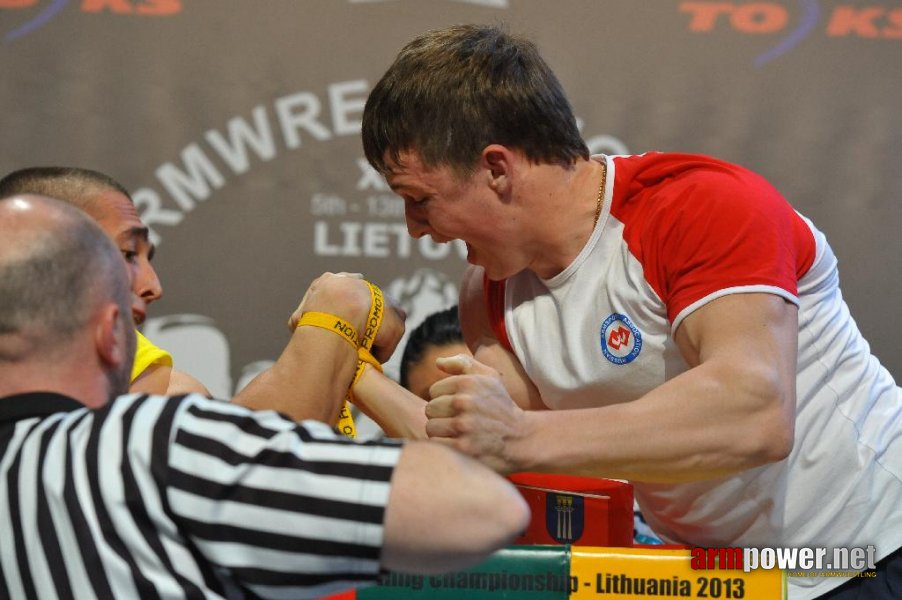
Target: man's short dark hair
x=452 y=92
x=72 y=185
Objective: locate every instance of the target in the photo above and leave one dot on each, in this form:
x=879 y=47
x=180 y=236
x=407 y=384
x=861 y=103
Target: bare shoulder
x=183 y=383
x=474 y=320
x=164 y=380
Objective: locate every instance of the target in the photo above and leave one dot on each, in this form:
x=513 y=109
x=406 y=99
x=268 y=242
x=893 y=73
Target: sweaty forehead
x=116 y=215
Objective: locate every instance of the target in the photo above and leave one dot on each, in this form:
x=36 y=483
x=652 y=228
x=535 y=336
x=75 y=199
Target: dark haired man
x=664 y=318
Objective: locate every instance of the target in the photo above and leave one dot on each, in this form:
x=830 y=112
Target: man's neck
x=564 y=203
x=22 y=378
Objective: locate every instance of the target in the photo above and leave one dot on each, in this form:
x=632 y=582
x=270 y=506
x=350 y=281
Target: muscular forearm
x=397 y=411
x=312 y=375
x=707 y=423
x=308 y=381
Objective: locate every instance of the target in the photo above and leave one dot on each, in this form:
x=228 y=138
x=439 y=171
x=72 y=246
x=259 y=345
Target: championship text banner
x=639 y=573
x=579 y=573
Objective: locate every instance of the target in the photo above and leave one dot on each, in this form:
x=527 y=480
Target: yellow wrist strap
x=364 y=359
x=364 y=356
x=346 y=422
x=374 y=320
x=331 y=323
x=347 y=332
x=363 y=345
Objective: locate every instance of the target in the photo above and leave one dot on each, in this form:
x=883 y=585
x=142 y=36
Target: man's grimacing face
x=440 y=203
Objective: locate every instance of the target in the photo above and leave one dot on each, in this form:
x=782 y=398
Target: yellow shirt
x=147 y=354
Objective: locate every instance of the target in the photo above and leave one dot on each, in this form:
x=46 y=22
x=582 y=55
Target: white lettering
x=344 y=104
x=786 y=558
x=376 y=240
x=370 y=178
x=806 y=558
x=150 y=207
x=749 y=559
x=195 y=184
x=321 y=245
x=327 y=205
x=292 y=121
x=351 y=233
x=241 y=135
x=400 y=230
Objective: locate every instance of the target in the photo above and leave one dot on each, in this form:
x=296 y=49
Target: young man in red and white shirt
x=668 y=319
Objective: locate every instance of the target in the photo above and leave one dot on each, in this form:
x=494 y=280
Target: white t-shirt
x=679 y=231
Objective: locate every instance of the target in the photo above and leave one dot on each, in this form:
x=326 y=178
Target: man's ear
x=110 y=340
x=497 y=162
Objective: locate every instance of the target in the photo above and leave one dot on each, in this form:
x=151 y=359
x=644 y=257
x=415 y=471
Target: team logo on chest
x=621 y=341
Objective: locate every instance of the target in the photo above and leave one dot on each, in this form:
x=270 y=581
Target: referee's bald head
x=57 y=270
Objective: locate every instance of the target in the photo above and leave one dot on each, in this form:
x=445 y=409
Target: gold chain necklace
x=599 y=200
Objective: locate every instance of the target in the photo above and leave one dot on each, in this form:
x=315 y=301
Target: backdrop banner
x=236 y=125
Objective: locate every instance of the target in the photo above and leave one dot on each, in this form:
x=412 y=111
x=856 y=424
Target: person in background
x=136 y=496
x=436 y=336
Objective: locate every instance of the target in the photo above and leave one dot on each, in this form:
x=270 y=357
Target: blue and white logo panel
x=621 y=340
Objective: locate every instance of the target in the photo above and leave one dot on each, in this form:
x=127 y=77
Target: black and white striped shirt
x=155 y=497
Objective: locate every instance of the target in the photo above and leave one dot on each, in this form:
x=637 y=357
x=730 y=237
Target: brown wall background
x=236 y=125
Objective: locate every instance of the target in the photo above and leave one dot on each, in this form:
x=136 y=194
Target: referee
x=152 y=497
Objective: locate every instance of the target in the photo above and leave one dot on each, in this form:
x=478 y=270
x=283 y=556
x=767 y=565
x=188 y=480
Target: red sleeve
x=708 y=226
x=493 y=291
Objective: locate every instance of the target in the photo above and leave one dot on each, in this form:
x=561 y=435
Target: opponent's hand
x=344 y=295
x=472 y=411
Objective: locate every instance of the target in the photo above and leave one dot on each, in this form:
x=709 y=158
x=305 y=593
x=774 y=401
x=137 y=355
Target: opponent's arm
x=312 y=375
x=401 y=413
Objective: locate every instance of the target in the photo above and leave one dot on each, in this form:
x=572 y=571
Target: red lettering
x=122 y=7
x=17 y=3
x=716 y=558
x=704 y=14
x=894 y=30
x=729 y=558
x=759 y=18
x=160 y=8
x=848 y=20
